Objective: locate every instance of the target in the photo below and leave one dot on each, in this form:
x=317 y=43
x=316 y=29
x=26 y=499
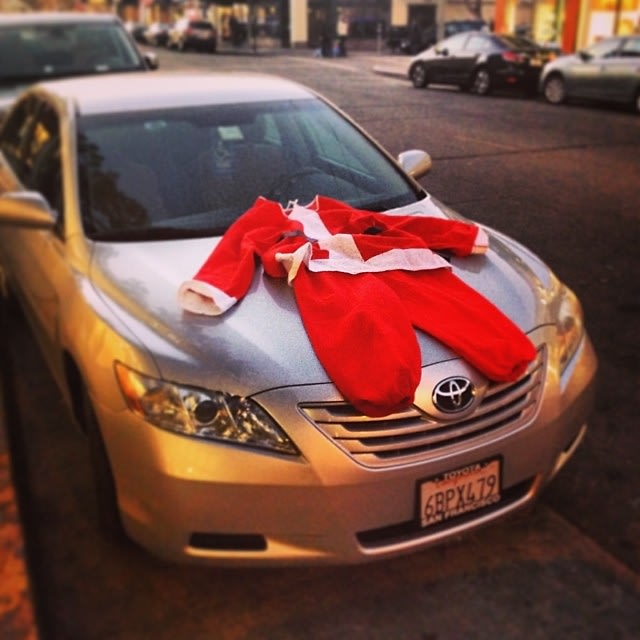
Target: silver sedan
x=607 y=71
x=223 y=439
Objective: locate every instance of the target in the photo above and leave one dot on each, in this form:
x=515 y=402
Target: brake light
x=512 y=56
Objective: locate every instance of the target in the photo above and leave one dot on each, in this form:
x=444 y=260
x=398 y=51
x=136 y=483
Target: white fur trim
x=481 y=243
x=199 y=297
x=311 y=222
x=292 y=261
x=341 y=245
x=402 y=259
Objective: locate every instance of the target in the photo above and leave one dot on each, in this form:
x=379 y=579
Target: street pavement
x=17 y=621
x=602 y=595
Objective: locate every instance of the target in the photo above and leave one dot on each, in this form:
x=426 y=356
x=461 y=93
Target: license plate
x=460 y=491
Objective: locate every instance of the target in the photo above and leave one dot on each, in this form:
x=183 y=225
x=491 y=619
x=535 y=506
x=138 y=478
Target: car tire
x=553 y=90
x=481 y=82
x=418 y=75
x=636 y=102
x=103 y=483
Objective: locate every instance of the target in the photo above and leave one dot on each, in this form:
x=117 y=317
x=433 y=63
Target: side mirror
x=151 y=60
x=415 y=162
x=584 y=56
x=26 y=209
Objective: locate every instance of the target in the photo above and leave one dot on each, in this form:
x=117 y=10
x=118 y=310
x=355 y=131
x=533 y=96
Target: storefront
x=573 y=24
x=357 y=19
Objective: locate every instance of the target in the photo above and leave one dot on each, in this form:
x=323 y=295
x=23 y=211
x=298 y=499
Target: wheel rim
x=419 y=76
x=481 y=82
x=554 y=90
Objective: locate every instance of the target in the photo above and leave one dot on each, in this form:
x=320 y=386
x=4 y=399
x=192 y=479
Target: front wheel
x=418 y=75
x=481 y=82
x=636 y=102
x=553 y=90
x=104 y=485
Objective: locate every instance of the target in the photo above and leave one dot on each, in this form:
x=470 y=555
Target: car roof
x=54 y=17
x=141 y=91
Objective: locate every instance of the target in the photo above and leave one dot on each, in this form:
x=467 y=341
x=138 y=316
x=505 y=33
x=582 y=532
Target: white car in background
x=45 y=45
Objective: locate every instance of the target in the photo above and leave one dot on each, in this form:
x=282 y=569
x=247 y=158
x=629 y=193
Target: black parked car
x=478 y=61
x=188 y=33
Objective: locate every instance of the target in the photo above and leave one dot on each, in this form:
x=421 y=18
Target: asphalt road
x=566 y=182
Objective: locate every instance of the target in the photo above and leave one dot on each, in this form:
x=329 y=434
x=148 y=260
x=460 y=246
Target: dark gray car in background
x=607 y=71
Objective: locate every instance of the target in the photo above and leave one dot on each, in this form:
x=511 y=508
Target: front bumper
x=197 y=501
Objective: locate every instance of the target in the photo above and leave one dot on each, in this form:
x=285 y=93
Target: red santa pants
x=362 y=330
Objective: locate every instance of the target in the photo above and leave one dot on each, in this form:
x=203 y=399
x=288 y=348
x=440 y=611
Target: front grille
x=410 y=436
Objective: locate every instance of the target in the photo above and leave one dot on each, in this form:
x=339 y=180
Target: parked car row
x=186 y=33
x=479 y=62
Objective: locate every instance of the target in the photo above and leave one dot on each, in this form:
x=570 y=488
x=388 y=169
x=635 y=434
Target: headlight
x=569 y=325
x=212 y=415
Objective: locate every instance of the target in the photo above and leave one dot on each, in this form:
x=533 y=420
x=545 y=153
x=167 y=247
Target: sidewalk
x=382 y=62
x=17 y=619
x=390 y=65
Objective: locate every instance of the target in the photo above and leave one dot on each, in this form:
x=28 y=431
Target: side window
x=631 y=48
x=16 y=134
x=477 y=43
x=454 y=43
x=44 y=160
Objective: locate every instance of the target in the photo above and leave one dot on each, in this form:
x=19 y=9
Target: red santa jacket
x=362 y=278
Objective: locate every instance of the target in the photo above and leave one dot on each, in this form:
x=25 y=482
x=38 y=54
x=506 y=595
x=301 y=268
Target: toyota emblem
x=454 y=394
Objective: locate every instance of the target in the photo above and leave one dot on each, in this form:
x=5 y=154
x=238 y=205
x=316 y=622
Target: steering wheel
x=281 y=188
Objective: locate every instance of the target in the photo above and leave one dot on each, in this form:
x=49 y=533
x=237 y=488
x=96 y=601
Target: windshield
x=193 y=171
x=603 y=48
x=35 y=52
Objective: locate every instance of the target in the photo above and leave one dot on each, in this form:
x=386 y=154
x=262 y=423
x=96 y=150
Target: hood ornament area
x=453 y=395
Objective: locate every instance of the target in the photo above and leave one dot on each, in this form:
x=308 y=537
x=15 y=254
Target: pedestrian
x=326 y=49
x=342 y=31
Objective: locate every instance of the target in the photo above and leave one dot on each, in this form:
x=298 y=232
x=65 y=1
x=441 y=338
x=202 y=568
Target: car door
x=31 y=146
x=477 y=46
x=585 y=78
x=448 y=56
x=620 y=72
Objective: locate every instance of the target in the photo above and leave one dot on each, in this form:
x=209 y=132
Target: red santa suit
x=363 y=281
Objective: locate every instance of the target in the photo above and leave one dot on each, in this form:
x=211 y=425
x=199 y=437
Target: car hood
x=261 y=343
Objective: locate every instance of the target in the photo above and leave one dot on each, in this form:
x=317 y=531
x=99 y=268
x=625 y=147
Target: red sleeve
x=226 y=275
x=462 y=238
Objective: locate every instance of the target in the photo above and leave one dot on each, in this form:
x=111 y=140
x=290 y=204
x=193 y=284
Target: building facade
x=570 y=24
